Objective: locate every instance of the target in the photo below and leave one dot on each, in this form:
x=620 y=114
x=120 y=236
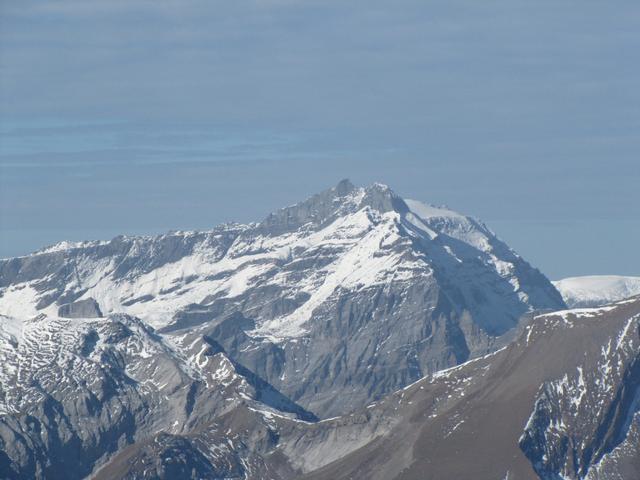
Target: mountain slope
x=591 y=291
x=334 y=301
x=73 y=392
x=560 y=401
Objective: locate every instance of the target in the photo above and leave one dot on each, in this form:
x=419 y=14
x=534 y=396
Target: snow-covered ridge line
x=237 y=270
x=594 y=290
x=66 y=245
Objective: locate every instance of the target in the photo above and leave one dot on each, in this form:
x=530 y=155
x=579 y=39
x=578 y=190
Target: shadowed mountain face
x=149 y=348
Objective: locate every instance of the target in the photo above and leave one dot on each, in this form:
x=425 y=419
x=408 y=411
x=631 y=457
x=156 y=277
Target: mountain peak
x=324 y=207
x=344 y=187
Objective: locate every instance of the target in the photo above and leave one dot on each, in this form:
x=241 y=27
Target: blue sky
x=140 y=116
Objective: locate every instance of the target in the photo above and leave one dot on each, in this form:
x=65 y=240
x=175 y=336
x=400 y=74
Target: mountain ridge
x=319 y=310
x=345 y=265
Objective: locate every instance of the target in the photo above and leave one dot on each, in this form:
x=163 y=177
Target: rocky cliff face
x=142 y=346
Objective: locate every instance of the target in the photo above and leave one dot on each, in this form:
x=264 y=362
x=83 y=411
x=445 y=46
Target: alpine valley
x=354 y=335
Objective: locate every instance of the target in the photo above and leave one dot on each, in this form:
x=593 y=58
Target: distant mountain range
x=356 y=334
x=594 y=290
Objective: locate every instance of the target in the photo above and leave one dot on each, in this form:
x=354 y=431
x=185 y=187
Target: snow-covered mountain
x=334 y=301
x=594 y=290
x=318 y=310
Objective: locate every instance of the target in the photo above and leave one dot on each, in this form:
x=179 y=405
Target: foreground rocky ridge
x=334 y=302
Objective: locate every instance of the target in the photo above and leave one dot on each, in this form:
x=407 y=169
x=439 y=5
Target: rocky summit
x=356 y=334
